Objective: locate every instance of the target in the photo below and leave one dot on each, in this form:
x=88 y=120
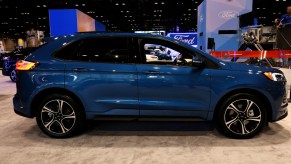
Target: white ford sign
x=228 y=14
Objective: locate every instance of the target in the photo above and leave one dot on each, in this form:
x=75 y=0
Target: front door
x=169 y=85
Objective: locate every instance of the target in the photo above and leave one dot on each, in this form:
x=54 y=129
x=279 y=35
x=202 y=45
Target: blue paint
x=99 y=26
x=63 y=22
x=256 y=21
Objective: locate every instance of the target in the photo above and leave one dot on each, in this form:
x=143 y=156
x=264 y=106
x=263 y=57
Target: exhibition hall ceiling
x=17 y=16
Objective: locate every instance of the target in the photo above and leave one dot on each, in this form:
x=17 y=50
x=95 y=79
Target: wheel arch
x=247 y=91
x=44 y=93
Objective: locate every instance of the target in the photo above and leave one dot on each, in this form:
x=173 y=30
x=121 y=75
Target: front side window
x=162 y=53
x=107 y=50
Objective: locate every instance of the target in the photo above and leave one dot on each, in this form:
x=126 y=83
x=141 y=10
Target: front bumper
x=282 y=111
x=280 y=114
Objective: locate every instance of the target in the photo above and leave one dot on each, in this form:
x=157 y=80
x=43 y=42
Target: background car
x=2 y=54
x=10 y=59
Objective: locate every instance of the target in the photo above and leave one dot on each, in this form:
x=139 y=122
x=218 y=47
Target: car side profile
x=99 y=75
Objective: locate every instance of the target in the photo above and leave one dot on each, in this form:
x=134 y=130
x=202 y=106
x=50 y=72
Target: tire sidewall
x=78 y=112
x=220 y=118
x=10 y=75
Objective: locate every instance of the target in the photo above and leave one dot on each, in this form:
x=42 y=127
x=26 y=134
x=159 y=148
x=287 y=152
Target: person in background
x=285 y=19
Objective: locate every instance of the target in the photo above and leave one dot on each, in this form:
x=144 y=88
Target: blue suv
x=90 y=76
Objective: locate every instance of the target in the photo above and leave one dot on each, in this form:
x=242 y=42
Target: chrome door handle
x=151 y=72
x=79 y=69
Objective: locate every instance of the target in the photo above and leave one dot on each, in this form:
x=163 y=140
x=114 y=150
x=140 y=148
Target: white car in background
x=150 y=57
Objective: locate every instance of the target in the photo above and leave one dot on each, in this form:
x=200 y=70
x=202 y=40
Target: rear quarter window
x=67 y=51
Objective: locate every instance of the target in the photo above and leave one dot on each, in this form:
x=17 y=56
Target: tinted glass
x=108 y=50
x=67 y=50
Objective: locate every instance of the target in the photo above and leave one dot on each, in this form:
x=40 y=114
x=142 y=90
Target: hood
x=250 y=67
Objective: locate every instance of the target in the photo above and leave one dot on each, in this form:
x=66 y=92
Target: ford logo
x=228 y=14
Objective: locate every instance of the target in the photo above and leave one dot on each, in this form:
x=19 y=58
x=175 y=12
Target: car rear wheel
x=59 y=116
x=242 y=116
x=13 y=75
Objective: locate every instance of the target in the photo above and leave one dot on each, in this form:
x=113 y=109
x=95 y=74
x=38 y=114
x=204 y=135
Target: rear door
x=103 y=74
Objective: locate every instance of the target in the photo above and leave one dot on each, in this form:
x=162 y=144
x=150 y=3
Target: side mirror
x=198 y=62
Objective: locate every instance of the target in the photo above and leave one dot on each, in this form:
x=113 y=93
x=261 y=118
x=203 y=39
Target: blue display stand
x=219 y=19
x=70 y=21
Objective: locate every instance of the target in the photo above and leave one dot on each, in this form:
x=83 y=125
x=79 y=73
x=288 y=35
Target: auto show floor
x=136 y=142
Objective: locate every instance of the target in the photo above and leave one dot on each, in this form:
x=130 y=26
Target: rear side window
x=107 y=50
x=68 y=50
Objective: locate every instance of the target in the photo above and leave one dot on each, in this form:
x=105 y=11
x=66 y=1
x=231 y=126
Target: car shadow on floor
x=157 y=126
x=157 y=134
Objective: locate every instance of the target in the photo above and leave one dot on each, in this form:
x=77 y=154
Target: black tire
x=58 y=123
x=241 y=116
x=12 y=75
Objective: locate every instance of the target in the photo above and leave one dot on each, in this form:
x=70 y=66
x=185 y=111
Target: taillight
x=25 y=65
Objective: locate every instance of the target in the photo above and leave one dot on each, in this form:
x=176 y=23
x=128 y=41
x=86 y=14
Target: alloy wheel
x=58 y=116
x=242 y=116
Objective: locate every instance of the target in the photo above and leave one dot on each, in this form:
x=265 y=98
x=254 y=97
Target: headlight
x=275 y=76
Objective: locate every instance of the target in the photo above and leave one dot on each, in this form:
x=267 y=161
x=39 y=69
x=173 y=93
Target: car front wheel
x=242 y=116
x=59 y=116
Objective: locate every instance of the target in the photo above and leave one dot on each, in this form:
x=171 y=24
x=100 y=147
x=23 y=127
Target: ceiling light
x=116 y=4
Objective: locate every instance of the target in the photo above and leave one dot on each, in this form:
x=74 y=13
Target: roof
x=95 y=34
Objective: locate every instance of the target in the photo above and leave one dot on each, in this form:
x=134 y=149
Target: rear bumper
x=5 y=73
x=19 y=108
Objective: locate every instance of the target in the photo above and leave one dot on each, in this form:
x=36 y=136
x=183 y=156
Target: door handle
x=151 y=72
x=79 y=69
